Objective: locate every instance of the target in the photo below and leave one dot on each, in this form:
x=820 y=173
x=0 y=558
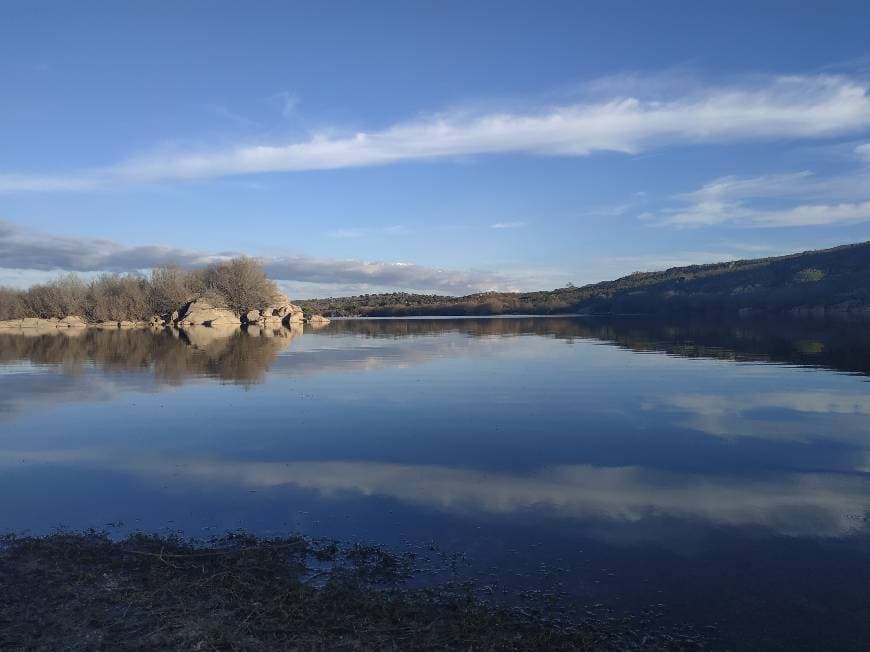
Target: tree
x=242 y=283
x=171 y=287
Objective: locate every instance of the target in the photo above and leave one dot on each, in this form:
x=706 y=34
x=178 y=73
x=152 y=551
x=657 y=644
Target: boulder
x=10 y=323
x=72 y=321
x=201 y=312
x=294 y=317
x=30 y=322
x=126 y=324
x=252 y=316
x=282 y=311
x=318 y=320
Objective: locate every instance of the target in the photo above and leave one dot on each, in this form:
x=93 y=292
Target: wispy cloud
x=863 y=151
x=289 y=103
x=775 y=200
x=223 y=112
x=773 y=108
x=346 y=233
x=359 y=232
x=507 y=225
x=25 y=249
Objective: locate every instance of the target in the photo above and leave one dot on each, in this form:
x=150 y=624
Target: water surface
x=717 y=472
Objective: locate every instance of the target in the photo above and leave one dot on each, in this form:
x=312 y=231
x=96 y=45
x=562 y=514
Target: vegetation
x=834 y=280
x=239 y=285
x=85 y=592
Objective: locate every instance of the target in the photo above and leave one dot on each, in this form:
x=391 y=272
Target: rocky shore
x=200 y=311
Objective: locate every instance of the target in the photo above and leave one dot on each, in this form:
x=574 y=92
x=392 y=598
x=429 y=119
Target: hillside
x=811 y=282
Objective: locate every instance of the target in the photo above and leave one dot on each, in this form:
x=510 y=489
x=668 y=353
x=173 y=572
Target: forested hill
x=814 y=282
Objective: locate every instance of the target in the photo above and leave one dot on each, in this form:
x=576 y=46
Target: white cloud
x=507 y=225
x=24 y=249
x=863 y=151
x=782 y=107
x=774 y=200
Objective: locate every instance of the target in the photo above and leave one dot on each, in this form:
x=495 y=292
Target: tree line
x=238 y=285
x=835 y=279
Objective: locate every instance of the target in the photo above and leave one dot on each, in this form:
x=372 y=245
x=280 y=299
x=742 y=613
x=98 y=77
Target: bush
x=12 y=304
x=116 y=298
x=242 y=283
x=59 y=298
x=238 y=285
x=170 y=288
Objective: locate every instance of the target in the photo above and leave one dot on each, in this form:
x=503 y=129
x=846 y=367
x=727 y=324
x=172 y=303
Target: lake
x=713 y=473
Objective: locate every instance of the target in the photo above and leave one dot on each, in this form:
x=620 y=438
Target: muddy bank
x=86 y=591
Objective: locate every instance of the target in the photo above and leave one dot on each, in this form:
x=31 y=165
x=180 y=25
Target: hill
x=811 y=282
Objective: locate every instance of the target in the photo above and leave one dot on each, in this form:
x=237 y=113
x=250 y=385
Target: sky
x=447 y=147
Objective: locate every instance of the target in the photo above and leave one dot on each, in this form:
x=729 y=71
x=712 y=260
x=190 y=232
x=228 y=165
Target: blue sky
x=437 y=146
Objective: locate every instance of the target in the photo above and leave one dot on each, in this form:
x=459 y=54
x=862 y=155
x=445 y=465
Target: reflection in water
x=237 y=355
x=838 y=344
x=228 y=352
x=792 y=504
x=519 y=441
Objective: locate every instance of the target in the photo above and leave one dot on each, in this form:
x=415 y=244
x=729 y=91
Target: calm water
x=718 y=472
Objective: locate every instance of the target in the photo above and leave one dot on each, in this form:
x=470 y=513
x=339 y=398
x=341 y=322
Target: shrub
x=238 y=285
x=242 y=283
x=170 y=288
x=115 y=298
x=12 y=304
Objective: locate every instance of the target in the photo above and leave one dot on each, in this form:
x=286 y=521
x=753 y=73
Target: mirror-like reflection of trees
x=230 y=354
x=837 y=344
x=236 y=355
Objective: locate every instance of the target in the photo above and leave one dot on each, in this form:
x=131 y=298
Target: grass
x=86 y=591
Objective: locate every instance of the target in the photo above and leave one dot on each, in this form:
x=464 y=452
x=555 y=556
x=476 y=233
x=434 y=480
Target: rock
x=126 y=324
x=72 y=321
x=30 y=322
x=10 y=323
x=294 y=318
x=174 y=316
x=318 y=320
x=282 y=311
x=201 y=312
x=252 y=316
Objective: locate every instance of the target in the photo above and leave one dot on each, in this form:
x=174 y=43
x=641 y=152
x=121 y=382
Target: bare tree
x=171 y=287
x=12 y=304
x=115 y=298
x=242 y=283
x=238 y=285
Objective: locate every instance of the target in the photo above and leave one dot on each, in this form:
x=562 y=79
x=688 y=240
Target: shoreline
x=86 y=590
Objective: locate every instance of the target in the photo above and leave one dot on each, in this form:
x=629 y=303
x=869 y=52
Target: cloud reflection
x=792 y=504
x=800 y=416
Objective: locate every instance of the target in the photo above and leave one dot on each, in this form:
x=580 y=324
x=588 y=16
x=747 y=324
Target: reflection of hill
x=230 y=354
x=833 y=344
x=234 y=355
